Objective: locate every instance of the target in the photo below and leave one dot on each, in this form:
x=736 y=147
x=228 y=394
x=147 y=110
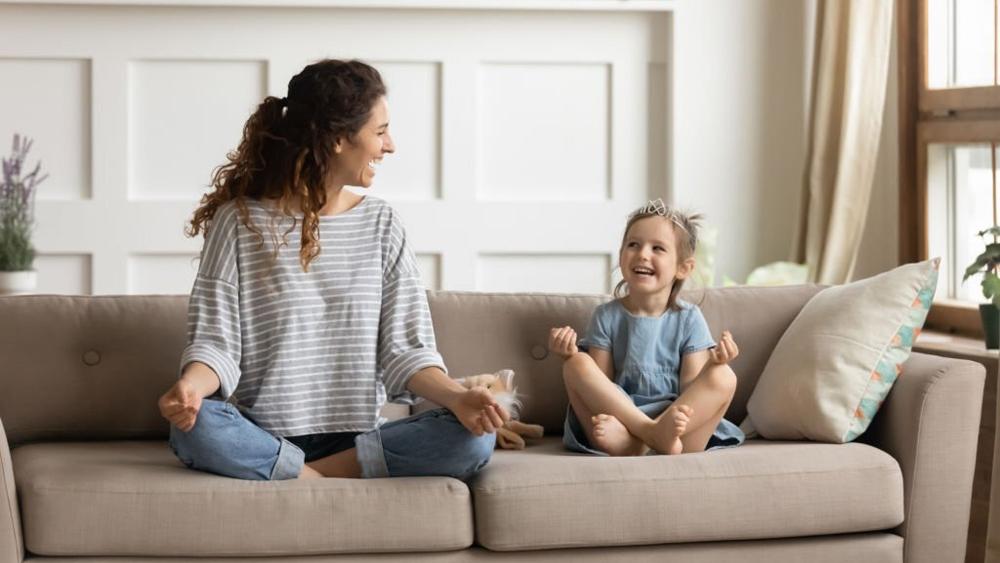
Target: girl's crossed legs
x=615 y=425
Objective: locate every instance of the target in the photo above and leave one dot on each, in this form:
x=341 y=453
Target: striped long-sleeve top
x=318 y=351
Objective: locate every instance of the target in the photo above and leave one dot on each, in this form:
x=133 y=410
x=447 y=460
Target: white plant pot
x=18 y=283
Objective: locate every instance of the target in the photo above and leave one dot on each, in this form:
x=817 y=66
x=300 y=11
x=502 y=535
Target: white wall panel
x=430 y=270
x=67 y=274
x=415 y=124
x=551 y=273
x=49 y=101
x=184 y=116
x=544 y=131
x=161 y=273
x=509 y=144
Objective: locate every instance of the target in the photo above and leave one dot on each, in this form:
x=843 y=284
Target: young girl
x=308 y=313
x=651 y=377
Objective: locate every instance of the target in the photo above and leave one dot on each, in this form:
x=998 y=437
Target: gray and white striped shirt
x=307 y=353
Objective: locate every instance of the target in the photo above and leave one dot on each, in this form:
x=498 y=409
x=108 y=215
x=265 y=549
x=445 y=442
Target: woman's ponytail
x=232 y=180
x=286 y=152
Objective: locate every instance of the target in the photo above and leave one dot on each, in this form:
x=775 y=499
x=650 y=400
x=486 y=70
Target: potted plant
x=17 y=219
x=987 y=264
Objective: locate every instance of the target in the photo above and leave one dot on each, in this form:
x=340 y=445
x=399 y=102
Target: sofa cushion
x=135 y=498
x=543 y=497
x=833 y=367
x=485 y=332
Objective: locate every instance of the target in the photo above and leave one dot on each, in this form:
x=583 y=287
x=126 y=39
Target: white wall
x=735 y=150
x=525 y=136
x=740 y=121
x=739 y=124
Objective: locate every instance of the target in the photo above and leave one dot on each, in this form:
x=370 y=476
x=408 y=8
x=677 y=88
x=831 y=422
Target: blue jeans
x=225 y=442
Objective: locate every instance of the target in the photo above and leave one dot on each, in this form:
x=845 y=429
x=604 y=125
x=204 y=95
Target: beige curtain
x=852 y=39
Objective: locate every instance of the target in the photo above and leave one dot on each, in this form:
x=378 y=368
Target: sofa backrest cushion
x=87 y=367
x=93 y=367
x=485 y=332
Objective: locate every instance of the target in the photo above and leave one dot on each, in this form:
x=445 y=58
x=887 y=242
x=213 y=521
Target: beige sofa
x=86 y=474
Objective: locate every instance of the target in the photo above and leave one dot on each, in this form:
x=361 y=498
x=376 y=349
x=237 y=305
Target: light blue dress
x=647 y=354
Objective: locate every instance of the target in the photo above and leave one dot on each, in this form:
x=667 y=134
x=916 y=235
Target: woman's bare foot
x=669 y=427
x=611 y=436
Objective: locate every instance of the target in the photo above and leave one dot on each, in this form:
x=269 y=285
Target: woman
x=310 y=334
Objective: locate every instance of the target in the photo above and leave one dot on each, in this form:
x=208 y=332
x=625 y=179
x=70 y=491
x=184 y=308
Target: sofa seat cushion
x=544 y=497
x=136 y=498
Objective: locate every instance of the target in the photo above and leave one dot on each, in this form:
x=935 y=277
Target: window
x=949 y=139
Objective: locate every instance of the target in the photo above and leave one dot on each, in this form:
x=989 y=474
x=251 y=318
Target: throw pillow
x=833 y=367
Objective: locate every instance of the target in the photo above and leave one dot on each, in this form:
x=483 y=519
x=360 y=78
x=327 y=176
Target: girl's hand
x=180 y=405
x=479 y=412
x=562 y=341
x=726 y=351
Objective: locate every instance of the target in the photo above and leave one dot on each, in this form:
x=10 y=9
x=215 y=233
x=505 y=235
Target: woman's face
x=355 y=161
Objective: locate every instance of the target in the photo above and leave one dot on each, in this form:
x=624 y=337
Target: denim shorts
x=318 y=446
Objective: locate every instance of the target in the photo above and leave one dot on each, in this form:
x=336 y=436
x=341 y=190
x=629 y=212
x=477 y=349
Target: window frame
x=928 y=116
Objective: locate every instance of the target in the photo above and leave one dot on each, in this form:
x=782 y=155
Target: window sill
x=954 y=345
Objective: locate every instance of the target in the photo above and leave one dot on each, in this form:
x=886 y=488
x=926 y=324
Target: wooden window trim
x=947 y=315
x=960 y=99
x=926 y=116
x=911 y=198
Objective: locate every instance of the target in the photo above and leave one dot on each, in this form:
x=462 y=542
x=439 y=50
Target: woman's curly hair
x=286 y=149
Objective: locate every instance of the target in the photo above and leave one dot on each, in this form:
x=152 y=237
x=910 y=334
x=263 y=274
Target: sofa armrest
x=930 y=424
x=11 y=545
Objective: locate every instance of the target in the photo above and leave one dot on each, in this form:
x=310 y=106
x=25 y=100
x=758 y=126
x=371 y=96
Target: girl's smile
x=649 y=256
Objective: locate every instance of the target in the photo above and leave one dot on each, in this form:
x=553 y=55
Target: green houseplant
x=17 y=220
x=987 y=264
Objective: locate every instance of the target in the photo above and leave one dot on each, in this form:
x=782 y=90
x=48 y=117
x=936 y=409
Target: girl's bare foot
x=668 y=429
x=611 y=436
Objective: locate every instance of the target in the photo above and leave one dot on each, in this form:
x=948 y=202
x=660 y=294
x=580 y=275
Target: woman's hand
x=726 y=351
x=562 y=341
x=180 y=405
x=478 y=411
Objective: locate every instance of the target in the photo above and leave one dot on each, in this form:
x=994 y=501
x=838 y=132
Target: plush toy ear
x=507 y=377
x=528 y=430
x=509 y=440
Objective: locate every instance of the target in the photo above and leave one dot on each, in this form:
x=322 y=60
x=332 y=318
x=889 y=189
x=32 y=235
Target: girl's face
x=355 y=161
x=649 y=260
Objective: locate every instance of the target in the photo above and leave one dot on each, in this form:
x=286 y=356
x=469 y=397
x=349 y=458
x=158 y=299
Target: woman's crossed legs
x=225 y=442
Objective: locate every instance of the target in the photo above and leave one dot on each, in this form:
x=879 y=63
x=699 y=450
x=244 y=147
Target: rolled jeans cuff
x=371 y=456
x=290 y=461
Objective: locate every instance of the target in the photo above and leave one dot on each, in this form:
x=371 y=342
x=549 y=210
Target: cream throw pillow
x=840 y=356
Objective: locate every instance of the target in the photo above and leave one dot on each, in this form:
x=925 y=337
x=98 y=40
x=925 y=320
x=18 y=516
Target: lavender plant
x=17 y=208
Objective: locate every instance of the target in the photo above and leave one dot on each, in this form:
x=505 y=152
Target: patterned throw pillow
x=833 y=367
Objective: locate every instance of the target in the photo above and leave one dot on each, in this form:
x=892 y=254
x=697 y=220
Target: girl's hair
x=287 y=146
x=685 y=226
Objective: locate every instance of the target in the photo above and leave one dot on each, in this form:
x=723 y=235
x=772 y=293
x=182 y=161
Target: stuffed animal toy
x=501 y=385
